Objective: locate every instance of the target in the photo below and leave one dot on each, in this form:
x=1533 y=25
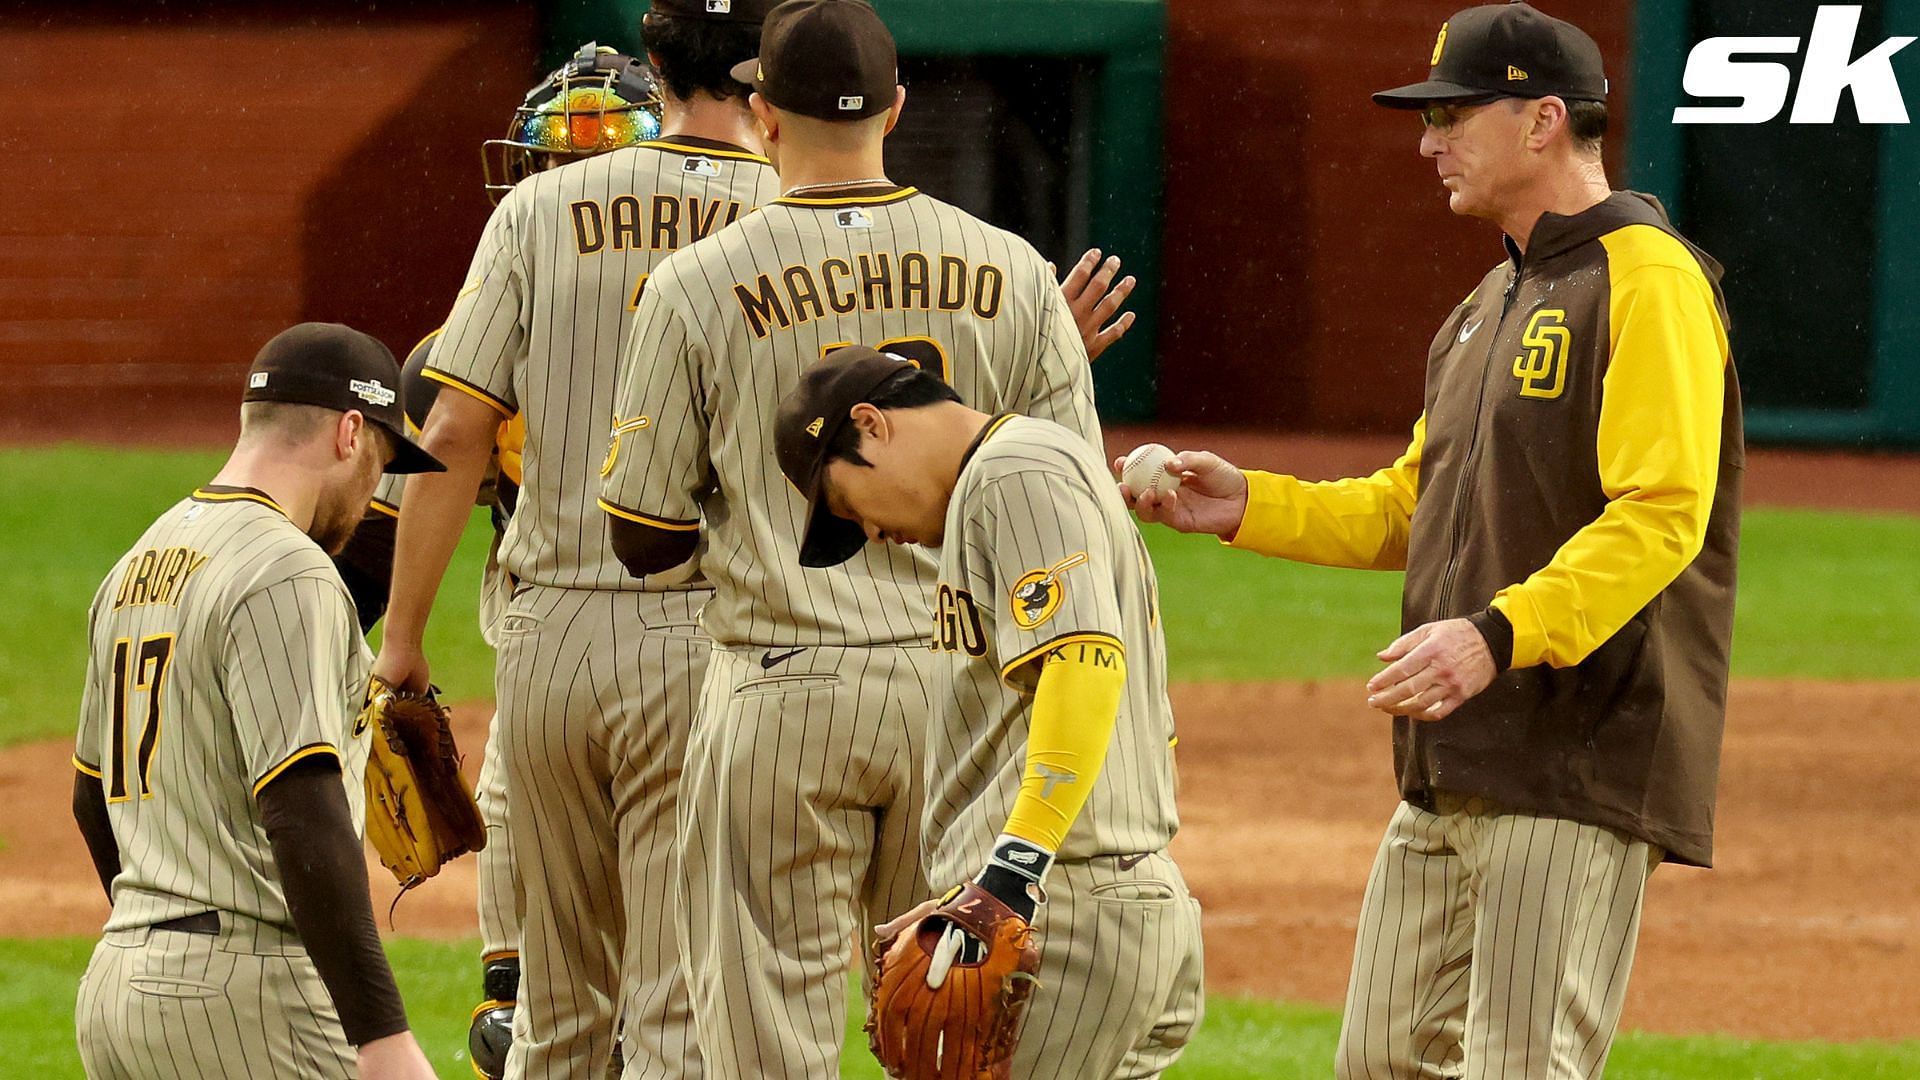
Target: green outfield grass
x=1822 y=594
x=1240 y=1038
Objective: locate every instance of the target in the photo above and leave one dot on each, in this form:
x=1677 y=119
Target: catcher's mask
x=598 y=101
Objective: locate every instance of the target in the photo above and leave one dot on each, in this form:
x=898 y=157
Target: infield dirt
x=1809 y=927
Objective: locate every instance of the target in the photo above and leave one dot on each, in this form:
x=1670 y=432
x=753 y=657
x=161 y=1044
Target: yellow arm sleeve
x=1074 y=709
x=1360 y=522
x=1659 y=448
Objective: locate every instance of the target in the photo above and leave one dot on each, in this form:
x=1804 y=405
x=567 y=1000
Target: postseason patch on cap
x=371 y=392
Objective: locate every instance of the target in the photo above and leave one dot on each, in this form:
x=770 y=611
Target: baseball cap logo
x=1514 y=74
x=719 y=7
x=813 y=429
x=371 y=392
x=852 y=102
x=1439 y=46
x=257 y=380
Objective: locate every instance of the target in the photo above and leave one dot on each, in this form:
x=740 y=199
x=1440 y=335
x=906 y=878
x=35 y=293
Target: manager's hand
x=1432 y=670
x=1212 y=496
x=1094 y=300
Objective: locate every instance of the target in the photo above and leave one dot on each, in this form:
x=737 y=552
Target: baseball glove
x=420 y=810
x=952 y=988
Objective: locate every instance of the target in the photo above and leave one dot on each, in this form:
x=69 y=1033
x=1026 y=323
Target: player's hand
x=1094 y=299
x=402 y=666
x=892 y=928
x=1212 y=497
x=394 y=1057
x=1433 y=670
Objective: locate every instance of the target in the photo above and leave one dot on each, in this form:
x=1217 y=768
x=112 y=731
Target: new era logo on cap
x=371 y=392
x=1514 y=74
x=813 y=429
x=852 y=102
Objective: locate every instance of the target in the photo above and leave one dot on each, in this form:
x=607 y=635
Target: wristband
x=1016 y=873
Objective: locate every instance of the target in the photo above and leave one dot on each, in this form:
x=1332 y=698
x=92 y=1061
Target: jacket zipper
x=1462 y=490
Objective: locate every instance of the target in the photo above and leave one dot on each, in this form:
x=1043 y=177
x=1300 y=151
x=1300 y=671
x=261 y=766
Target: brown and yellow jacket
x=1575 y=478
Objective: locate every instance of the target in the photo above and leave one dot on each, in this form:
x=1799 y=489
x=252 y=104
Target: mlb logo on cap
x=852 y=102
x=258 y=379
x=719 y=7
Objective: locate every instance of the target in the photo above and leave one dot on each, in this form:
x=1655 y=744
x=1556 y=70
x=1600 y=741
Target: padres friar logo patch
x=1039 y=593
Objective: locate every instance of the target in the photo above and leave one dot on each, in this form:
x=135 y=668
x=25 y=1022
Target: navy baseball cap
x=337 y=367
x=1505 y=50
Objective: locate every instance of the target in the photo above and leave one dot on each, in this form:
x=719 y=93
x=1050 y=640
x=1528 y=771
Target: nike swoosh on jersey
x=771 y=658
x=1467 y=330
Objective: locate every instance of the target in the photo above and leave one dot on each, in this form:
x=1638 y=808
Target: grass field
x=1243 y=1038
x=1822 y=595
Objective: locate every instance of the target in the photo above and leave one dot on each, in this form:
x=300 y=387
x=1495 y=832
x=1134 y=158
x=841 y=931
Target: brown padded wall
x=1310 y=253
x=182 y=189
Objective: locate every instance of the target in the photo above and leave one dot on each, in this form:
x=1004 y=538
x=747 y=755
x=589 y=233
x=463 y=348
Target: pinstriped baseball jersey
x=223 y=648
x=723 y=333
x=1041 y=557
x=537 y=329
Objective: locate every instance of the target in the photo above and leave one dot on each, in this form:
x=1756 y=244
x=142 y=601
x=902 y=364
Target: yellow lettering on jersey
x=841 y=302
x=956 y=622
x=916 y=276
x=664 y=235
x=761 y=305
x=876 y=280
x=639 y=286
x=157 y=577
x=1542 y=369
x=589 y=230
x=803 y=292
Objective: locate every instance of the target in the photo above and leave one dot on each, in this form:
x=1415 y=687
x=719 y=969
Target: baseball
x=1146 y=470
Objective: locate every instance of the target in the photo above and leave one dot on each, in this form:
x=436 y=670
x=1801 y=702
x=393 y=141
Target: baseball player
x=219 y=760
x=366 y=566
x=1049 y=771
x=801 y=801
x=609 y=101
x=1568 y=516
x=596 y=669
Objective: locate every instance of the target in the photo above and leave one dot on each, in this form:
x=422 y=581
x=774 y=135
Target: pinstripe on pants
x=498 y=873
x=799 y=831
x=167 y=1005
x=1492 y=945
x=595 y=696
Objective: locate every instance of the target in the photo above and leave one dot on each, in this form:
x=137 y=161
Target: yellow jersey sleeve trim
x=852 y=200
x=1658 y=446
x=1360 y=522
x=382 y=506
x=299 y=755
x=639 y=518
x=90 y=770
x=506 y=411
x=703 y=151
x=1088 y=636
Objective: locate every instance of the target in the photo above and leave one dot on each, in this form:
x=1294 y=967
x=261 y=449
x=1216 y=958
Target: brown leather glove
x=420 y=809
x=952 y=989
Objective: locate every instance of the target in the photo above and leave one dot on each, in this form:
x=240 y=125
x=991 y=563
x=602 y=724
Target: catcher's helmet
x=598 y=101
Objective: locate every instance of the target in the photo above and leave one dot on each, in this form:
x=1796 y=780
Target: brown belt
x=207 y=922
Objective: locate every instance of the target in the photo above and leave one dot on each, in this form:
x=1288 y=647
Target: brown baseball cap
x=1505 y=50
x=829 y=59
x=337 y=367
x=740 y=11
x=805 y=425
